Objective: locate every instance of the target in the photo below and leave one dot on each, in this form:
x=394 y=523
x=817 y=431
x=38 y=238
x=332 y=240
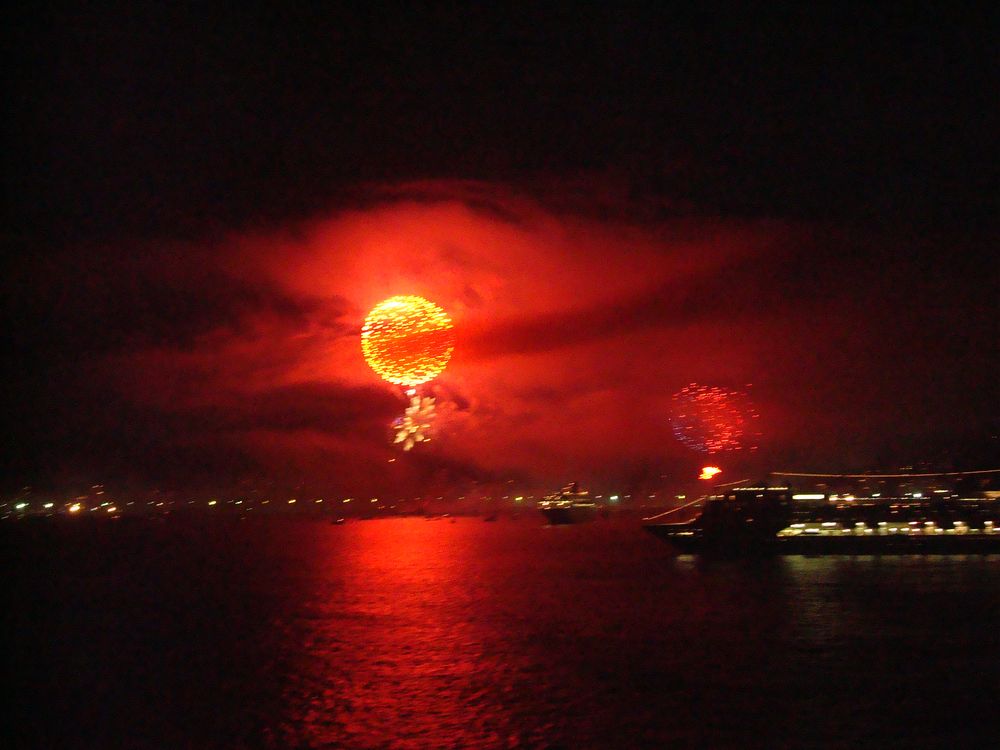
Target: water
x=407 y=633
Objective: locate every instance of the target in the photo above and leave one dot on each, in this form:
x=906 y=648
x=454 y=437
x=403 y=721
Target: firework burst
x=710 y=419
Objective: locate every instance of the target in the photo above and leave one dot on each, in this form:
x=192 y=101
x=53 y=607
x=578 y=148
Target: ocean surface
x=408 y=633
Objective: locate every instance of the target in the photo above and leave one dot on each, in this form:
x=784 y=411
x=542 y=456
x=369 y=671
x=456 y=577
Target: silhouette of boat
x=763 y=519
x=569 y=505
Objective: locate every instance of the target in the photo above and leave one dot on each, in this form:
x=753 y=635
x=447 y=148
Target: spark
x=414 y=426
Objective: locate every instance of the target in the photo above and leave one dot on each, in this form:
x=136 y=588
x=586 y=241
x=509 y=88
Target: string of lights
x=674 y=510
x=886 y=476
x=733 y=484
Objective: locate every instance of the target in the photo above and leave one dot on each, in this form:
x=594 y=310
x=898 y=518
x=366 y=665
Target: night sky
x=611 y=203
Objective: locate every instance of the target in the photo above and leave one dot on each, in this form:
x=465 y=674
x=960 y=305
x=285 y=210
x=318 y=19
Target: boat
x=569 y=505
x=771 y=519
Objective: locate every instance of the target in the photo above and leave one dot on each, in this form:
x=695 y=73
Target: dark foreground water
x=422 y=634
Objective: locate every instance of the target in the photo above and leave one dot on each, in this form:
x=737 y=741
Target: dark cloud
x=751 y=287
x=92 y=302
x=319 y=407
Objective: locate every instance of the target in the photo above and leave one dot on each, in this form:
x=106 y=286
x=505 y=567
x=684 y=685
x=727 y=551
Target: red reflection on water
x=397 y=638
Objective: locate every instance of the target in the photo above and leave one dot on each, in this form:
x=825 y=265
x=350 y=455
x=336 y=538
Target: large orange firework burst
x=710 y=419
x=407 y=340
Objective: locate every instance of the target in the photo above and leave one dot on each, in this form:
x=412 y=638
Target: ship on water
x=569 y=505
x=772 y=519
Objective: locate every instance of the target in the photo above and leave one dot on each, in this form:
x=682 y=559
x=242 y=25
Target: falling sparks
x=414 y=426
x=711 y=419
x=407 y=340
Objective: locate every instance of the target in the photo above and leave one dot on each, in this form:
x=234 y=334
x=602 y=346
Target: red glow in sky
x=557 y=363
x=242 y=359
x=205 y=208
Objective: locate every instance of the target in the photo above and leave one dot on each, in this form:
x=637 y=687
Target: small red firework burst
x=710 y=419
